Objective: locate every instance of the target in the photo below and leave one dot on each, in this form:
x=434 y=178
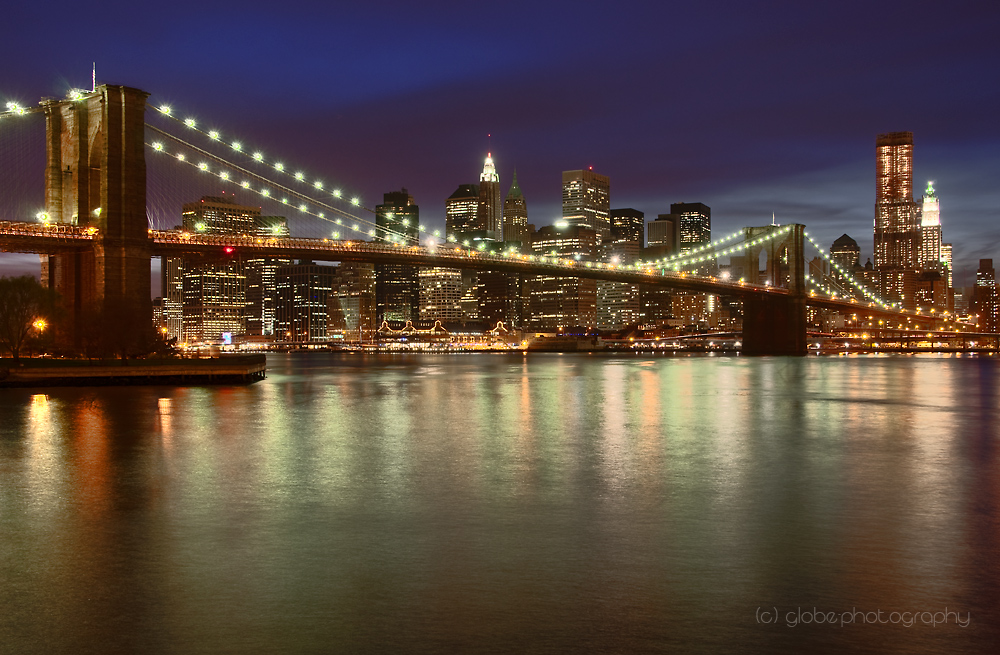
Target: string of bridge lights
x=850 y=278
x=353 y=222
x=238 y=146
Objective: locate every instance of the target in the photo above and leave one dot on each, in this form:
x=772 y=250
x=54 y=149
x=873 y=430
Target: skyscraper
x=897 y=232
x=930 y=232
x=397 y=294
x=515 y=216
x=302 y=301
x=586 y=200
x=627 y=224
x=564 y=302
x=695 y=224
x=986 y=305
x=490 y=211
x=846 y=253
x=214 y=294
x=440 y=294
x=462 y=210
x=664 y=234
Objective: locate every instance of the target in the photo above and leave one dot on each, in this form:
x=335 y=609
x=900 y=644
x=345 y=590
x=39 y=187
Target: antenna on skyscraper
x=93 y=78
x=772 y=218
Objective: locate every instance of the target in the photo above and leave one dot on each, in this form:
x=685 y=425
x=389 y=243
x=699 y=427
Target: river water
x=509 y=503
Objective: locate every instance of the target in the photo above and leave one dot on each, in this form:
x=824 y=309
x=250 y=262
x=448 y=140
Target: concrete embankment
x=228 y=369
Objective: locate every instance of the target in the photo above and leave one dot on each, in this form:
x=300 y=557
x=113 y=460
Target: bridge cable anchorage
x=257 y=156
x=266 y=193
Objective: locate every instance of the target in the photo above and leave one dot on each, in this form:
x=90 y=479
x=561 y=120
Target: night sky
x=751 y=108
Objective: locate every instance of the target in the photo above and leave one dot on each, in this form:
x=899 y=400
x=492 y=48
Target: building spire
x=515 y=190
x=489 y=170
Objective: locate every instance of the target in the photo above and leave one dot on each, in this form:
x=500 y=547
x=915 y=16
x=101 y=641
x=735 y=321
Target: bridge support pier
x=774 y=326
x=95 y=176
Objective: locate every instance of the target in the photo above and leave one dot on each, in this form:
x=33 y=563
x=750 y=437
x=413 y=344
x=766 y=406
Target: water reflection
x=552 y=502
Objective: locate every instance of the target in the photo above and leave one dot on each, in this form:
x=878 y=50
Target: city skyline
x=782 y=124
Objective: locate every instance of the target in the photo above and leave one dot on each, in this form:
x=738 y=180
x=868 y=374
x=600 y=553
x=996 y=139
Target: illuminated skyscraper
x=627 y=224
x=440 y=294
x=490 y=212
x=214 y=295
x=564 y=302
x=930 y=232
x=586 y=198
x=897 y=233
x=262 y=278
x=462 y=210
x=515 y=216
x=695 y=224
x=664 y=234
x=846 y=253
x=302 y=302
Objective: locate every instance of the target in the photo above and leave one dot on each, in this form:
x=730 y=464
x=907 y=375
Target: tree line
x=32 y=319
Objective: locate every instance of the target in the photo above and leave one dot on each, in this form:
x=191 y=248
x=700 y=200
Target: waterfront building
x=440 y=294
x=586 y=199
x=561 y=303
x=302 y=297
x=986 y=305
x=618 y=303
x=351 y=309
x=261 y=279
x=213 y=295
x=397 y=289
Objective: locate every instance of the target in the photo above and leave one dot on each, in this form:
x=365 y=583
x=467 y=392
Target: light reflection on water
x=505 y=503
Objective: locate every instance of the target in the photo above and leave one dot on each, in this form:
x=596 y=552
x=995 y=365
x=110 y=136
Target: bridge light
x=158 y=147
x=165 y=109
x=302 y=207
x=322 y=215
x=437 y=233
x=237 y=146
x=318 y=184
x=190 y=122
x=355 y=201
x=214 y=135
x=228 y=250
x=336 y=235
x=336 y=193
x=284 y=201
x=300 y=176
x=266 y=193
x=224 y=175
x=180 y=156
x=203 y=166
x=279 y=166
x=258 y=156
x=42 y=217
x=246 y=184
x=200 y=227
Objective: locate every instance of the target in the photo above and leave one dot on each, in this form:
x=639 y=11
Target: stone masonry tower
x=95 y=176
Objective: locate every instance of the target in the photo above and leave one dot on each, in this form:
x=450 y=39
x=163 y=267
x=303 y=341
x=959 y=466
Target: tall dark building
x=462 y=210
x=515 y=216
x=397 y=289
x=664 y=235
x=627 y=225
x=986 y=305
x=586 y=198
x=695 y=224
x=490 y=211
x=301 y=307
x=262 y=279
x=846 y=253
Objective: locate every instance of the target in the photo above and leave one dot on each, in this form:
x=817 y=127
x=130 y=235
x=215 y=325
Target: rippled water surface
x=495 y=503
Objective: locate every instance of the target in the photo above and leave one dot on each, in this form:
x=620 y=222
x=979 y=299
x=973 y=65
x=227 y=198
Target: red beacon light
x=228 y=250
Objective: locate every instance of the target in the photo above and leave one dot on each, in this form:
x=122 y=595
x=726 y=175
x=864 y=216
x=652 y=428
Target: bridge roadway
x=18 y=236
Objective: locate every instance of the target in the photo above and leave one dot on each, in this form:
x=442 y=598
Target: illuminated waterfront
x=544 y=503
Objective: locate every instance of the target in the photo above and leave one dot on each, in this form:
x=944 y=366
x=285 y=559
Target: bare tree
x=26 y=307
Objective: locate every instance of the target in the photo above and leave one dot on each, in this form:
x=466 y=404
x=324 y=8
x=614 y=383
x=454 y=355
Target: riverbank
x=226 y=369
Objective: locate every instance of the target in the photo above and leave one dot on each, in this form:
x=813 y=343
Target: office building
x=664 y=235
x=695 y=224
x=397 y=289
x=627 y=224
x=462 y=210
x=262 y=277
x=586 y=198
x=930 y=232
x=985 y=304
x=489 y=215
x=564 y=303
x=302 y=302
x=440 y=294
x=351 y=305
x=515 y=216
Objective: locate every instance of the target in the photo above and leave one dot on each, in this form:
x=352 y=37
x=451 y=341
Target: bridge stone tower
x=777 y=325
x=95 y=175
